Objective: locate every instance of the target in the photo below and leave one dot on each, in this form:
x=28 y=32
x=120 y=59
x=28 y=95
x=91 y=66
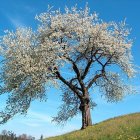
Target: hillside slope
x=120 y=128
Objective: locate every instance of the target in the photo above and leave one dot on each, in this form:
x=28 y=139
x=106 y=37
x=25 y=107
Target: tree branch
x=90 y=61
x=71 y=81
x=70 y=85
x=76 y=70
x=97 y=59
x=102 y=71
x=86 y=69
x=94 y=80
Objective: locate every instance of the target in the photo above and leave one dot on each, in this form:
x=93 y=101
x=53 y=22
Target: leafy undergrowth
x=120 y=128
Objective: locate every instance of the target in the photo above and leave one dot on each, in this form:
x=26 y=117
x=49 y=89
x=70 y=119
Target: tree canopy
x=75 y=41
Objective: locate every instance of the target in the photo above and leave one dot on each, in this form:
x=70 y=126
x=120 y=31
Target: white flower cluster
x=75 y=29
x=33 y=57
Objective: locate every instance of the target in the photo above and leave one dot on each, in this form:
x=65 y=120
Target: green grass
x=120 y=128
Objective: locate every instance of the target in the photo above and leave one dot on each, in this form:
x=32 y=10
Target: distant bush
x=9 y=135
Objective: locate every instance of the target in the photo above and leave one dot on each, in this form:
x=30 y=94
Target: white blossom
x=32 y=59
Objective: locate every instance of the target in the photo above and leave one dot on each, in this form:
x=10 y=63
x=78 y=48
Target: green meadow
x=125 y=127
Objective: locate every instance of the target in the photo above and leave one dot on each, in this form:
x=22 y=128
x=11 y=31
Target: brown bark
x=86 y=116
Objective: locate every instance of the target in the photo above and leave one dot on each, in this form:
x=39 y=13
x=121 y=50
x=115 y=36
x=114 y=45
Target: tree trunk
x=86 y=116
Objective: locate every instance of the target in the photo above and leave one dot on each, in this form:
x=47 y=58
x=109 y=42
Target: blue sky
x=15 y=13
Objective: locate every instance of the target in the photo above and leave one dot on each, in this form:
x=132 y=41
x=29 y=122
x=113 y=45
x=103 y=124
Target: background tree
x=41 y=137
x=7 y=135
x=74 y=41
x=23 y=137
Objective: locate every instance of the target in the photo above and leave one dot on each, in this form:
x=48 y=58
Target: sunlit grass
x=121 y=128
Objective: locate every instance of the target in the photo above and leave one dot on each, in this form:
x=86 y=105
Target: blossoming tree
x=73 y=41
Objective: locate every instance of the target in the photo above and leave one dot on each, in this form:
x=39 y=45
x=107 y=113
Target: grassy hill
x=120 y=128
